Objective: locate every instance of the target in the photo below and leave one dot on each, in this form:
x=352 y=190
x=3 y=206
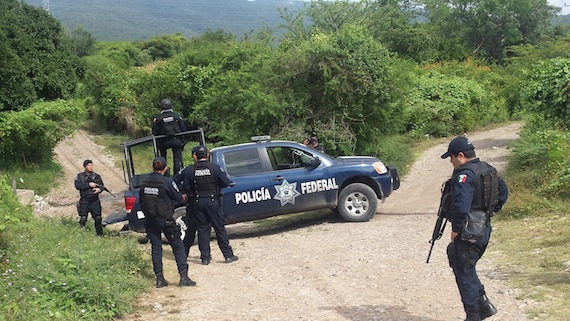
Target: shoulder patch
x=462 y=178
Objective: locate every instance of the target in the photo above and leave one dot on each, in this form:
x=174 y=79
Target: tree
x=82 y=40
x=36 y=58
x=485 y=28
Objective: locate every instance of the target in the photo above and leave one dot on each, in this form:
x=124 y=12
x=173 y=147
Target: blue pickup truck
x=275 y=177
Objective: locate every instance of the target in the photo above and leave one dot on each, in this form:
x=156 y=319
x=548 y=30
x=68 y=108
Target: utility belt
x=212 y=197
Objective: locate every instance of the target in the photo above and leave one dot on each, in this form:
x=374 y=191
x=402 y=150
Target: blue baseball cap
x=200 y=151
x=159 y=163
x=457 y=145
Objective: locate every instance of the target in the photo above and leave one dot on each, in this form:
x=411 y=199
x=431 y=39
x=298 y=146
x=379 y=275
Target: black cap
x=166 y=103
x=159 y=163
x=87 y=162
x=200 y=151
x=458 y=144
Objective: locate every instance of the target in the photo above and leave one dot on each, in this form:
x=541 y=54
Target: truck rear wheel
x=357 y=203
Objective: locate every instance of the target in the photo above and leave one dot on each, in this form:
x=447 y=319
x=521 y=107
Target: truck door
x=248 y=198
x=299 y=185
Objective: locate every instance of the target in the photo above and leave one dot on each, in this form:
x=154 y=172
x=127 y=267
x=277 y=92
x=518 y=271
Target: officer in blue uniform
x=190 y=217
x=90 y=185
x=158 y=197
x=475 y=187
x=169 y=123
x=202 y=187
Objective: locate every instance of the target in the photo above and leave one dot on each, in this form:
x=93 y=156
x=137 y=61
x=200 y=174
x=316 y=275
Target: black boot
x=161 y=281
x=185 y=280
x=99 y=226
x=486 y=308
x=473 y=315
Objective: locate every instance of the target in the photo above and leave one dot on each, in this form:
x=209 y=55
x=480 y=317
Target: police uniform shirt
x=222 y=178
x=169 y=115
x=463 y=188
x=171 y=189
x=82 y=184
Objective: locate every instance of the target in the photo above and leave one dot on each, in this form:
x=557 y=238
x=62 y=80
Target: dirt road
x=325 y=269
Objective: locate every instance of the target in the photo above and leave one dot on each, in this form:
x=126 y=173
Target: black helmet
x=166 y=103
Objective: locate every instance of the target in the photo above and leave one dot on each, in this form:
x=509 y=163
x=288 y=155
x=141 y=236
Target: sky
x=564 y=4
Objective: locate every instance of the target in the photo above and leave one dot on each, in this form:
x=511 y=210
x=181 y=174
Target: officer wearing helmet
x=169 y=123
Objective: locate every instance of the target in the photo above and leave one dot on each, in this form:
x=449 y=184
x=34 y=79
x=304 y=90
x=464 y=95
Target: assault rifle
x=101 y=186
x=106 y=190
x=441 y=215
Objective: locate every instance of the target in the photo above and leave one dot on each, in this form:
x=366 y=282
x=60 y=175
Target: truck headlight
x=380 y=168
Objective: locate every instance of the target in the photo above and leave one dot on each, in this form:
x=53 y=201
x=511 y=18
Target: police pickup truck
x=274 y=177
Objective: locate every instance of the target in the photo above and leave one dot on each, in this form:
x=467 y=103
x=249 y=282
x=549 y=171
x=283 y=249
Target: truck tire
x=357 y=203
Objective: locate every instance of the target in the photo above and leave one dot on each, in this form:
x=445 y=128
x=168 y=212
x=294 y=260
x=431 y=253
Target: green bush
x=28 y=137
x=547 y=92
x=11 y=210
x=442 y=105
x=542 y=153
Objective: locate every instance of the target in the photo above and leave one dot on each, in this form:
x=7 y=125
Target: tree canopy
x=37 y=60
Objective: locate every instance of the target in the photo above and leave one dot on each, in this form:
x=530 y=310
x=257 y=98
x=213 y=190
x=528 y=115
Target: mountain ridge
x=132 y=20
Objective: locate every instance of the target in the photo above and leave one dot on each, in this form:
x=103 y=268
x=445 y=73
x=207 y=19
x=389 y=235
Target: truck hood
x=357 y=159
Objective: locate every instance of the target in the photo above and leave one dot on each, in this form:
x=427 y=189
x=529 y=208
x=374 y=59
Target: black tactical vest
x=154 y=201
x=205 y=181
x=170 y=124
x=89 y=194
x=486 y=187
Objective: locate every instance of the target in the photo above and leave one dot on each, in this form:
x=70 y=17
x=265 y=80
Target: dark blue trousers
x=209 y=215
x=154 y=228
x=463 y=257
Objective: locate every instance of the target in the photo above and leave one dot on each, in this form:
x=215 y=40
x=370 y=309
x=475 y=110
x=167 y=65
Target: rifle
x=108 y=191
x=100 y=185
x=441 y=215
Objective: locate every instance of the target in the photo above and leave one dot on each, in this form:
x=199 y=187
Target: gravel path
x=317 y=267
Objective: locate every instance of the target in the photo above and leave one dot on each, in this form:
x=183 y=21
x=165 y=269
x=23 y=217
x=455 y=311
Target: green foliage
x=39 y=178
x=346 y=79
x=485 y=28
x=83 y=42
x=164 y=46
x=38 y=61
x=11 y=210
x=542 y=144
x=547 y=90
x=28 y=137
x=58 y=271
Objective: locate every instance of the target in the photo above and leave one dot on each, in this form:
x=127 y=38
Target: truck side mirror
x=313 y=163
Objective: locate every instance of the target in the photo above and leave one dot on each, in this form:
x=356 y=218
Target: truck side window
x=287 y=157
x=242 y=162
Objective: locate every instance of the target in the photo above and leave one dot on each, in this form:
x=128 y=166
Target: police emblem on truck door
x=286 y=193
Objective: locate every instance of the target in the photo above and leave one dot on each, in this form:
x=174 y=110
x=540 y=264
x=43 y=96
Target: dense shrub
x=11 y=210
x=28 y=137
x=542 y=152
x=442 y=105
x=547 y=90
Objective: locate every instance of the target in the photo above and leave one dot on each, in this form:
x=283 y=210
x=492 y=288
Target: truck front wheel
x=357 y=203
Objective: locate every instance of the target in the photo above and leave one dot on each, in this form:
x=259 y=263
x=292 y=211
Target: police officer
x=90 y=185
x=202 y=187
x=475 y=187
x=190 y=222
x=169 y=123
x=158 y=197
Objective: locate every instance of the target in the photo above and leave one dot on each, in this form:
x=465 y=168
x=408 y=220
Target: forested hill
x=130 y=20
